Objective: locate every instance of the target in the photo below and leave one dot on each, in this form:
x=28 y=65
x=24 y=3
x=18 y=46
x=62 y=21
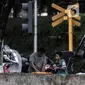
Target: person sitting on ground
x=14 y=59
x=61 y=67
x=38 y=61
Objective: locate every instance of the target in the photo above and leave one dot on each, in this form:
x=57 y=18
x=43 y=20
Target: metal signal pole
x=70 y=31
x=35 y=26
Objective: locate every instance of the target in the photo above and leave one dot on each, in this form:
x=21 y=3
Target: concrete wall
x=29 y=79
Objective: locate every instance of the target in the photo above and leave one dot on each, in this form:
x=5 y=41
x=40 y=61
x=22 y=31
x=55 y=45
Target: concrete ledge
x=29 y=79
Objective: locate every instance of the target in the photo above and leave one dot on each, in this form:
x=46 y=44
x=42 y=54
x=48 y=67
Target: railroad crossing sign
x=72 y=15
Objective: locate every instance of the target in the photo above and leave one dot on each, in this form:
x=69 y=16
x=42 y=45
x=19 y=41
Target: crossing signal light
x=75 y=9
x=27 y=16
